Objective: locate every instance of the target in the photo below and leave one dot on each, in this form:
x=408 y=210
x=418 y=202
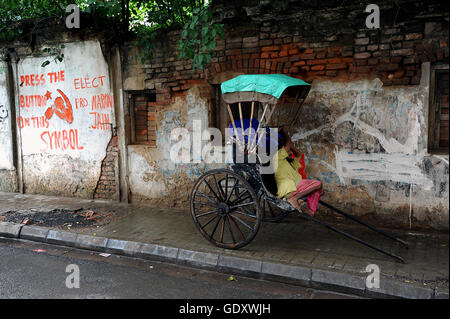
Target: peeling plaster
x=6 y=150
x=359 y=134
x=152 y=173
x=400 y=161
x=70 y=165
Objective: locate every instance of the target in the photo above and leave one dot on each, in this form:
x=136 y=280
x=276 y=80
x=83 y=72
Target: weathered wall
x=368 y=144
x=7 y=169
x=66 y=115
x=364 y=126
x=152 y=173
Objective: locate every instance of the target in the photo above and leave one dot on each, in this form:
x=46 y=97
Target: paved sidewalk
x=295 y=242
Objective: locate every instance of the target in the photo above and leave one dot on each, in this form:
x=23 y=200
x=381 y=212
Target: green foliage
x=12 y=12
x=101 y=8
x=55 y=54
x=141 y=18
x=145 y=40
x=198 y=38
x=199 y=32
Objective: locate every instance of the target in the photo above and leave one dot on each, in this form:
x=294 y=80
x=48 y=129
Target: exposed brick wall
x=392 y=54
x=443 y=106
x=107 y=184
x=311 y=43
x=144 y=119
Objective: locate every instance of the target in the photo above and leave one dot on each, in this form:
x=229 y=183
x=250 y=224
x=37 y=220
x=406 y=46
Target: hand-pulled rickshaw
x=228 y=205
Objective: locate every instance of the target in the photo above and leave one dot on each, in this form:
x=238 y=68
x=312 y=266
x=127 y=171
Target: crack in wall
x=106 y=187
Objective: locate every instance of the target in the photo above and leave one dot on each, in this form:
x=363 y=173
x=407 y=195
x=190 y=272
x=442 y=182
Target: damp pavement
x=294 y=250
x=36 y=270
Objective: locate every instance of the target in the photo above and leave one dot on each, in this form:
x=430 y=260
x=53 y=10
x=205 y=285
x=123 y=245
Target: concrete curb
x=311 y=277
x=11 y=230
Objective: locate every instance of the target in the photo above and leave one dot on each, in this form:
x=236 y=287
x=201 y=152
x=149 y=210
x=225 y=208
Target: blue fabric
x=268 y=139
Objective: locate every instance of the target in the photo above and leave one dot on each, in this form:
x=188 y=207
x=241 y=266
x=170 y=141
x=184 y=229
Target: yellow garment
x=286 y=174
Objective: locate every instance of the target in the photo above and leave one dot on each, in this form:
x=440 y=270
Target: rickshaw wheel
x=225 y=209
x=270 y=211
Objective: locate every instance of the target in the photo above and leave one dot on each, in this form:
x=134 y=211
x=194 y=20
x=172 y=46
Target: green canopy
x=271 y=84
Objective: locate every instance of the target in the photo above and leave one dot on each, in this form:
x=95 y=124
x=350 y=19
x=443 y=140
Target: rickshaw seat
x=270 y=183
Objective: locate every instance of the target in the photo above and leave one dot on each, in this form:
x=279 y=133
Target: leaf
x=45 y=64
x=206 y=16
x=212 y=45
x=205 y=31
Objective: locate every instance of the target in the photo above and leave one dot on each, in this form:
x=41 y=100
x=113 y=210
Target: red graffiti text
x=87 y=83
x=32 y=80
x=35 y=122
x=102 y=101
x=81 y=103
x=32 y=101
x=56 y=76
x=101 y=121
x=61 y=140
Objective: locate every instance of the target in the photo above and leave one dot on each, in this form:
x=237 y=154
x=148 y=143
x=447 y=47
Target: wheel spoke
x=203 y=227
x=205 y=204
x=240 y=199
x=207 y=213
x=238 y=195
x=229 y=228
x=249 y=212
x=236 y=182
x=209 y=186
x=237 y=226
x=222 y=230
x=226 y=208
x=215 y=227
x=243 y=223
x=241 y=205
x=245 y=214
x=226 y=186
x=205 y=196
x=218 y=188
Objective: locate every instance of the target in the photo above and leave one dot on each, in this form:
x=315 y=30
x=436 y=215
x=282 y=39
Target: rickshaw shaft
x=364 y=224
x=353 y=237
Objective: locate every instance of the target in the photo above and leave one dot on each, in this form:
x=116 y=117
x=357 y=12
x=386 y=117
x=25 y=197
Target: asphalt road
x=36 y=270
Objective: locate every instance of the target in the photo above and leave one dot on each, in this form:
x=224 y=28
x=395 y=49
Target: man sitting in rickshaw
x=291 y=179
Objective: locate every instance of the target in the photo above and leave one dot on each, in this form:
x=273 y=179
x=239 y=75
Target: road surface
x=37 y=270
